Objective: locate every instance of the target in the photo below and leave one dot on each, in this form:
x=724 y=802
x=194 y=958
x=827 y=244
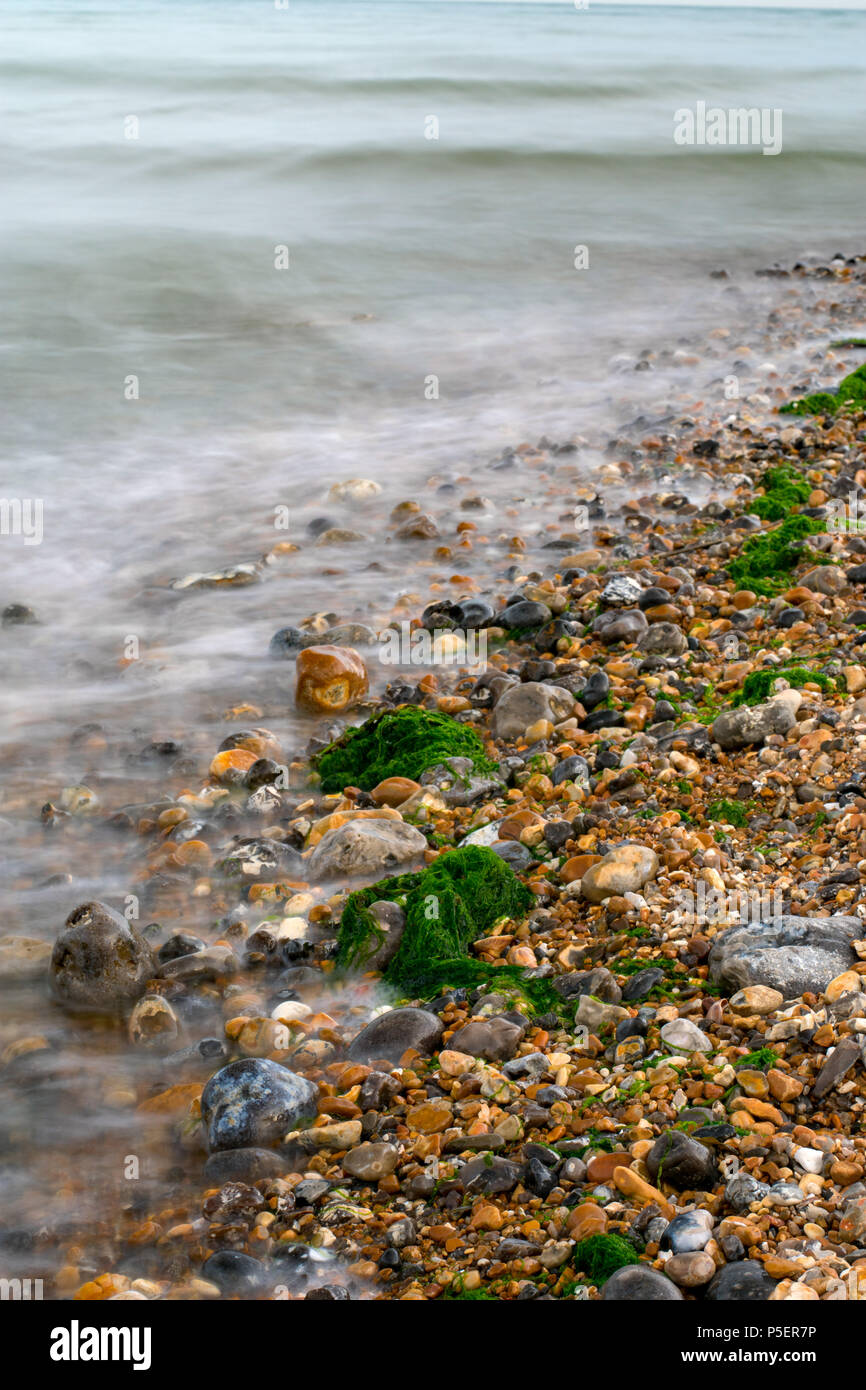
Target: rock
x=742 y=1282
x=421 y=527
x=525 y=613
x=622 y=870
x=233 y=1272
x=458 y=783
x=743 y=1190
x=393 y=791
x=639 y=1284
x=573 y=769
x=521 y=705
x=393 y=1033
x=681 y=1035
x=682 y=1162
x=153 y=1023
x=597 y=1015
x=620 y=625
x=243 y=1165
x=690 y=1231
x=100 y=962
x=663 y=639
x=493 y=1038
x=392 y=922
x=620 y=591
x=756 y=999
x=254 y=1102
x=489 y=1174
x=837 y=1066
x=640 y=984
x=598 y=982
x=738 y=728
x=371 y=1162
x=354 y=490
x=789 y=954
x=330 y=679
x=373 y=848
x=23 y=958
x=691 y=1270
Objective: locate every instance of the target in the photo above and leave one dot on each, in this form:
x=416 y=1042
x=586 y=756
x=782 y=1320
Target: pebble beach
x=501 y=934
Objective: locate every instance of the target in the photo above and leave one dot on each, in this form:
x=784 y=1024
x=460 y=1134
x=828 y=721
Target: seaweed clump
x=758 y=686
x=448 y=906
x=601 y=1256
x=784 y=489
x=766 y=561
x=850 y=392
x=397 y=743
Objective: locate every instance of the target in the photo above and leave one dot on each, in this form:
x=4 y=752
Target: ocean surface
x=167 y=387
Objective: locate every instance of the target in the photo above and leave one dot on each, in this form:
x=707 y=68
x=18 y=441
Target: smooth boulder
x=254 y=1102
x=100 y=962
x=790 y=954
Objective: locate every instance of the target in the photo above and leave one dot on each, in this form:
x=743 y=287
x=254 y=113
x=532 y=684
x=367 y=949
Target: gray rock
x=687 y=1232
x=742 y=1282
x=837 y=1065
x=458 y=783
x=598 y=982
x=620 y=591
x=791 y=954
x=371 y=848
x=681 y=1035
x=530 y=1067
x=100 y=962
x=683 y=1162
x=521 y=705
x=738 y=728
x=391 y=920
x=254 y=1102
x=244 y=1165
x=391 y=1034
x=743 y=1190
x=620 y=625
x=493 y=1038
x=490 y=1174
x=639 y=1284
x=663 y=639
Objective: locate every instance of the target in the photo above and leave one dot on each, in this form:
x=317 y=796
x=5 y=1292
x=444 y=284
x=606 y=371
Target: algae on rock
x=850 y=392
x=448 y=906
x=403 y=742
x=765 y=562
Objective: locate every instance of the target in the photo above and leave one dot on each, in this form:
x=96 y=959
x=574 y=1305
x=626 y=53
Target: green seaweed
x=600 y=1256
x=758 y=686
x=784 y=489
x=762 y=1059
x=730 y=812
x=765 y=562
x=850 y=392
x=447 y=906
x=403 y=742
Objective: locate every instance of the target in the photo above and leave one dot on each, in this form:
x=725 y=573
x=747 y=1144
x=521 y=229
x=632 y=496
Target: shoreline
x=601 y=1109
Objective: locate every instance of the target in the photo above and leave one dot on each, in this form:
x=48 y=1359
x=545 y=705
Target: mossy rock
x=851 y=394
x=447 y=906
x=758 y=686
x=397 y=743
x=600 y=1256
x=784 y=489
x=765 y=562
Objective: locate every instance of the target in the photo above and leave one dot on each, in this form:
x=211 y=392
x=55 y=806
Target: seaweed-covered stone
x=788 y=953
x=398 y=743
x=254 y=1102
x=447 y=906
x=393 y=1033
x=100 y=962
